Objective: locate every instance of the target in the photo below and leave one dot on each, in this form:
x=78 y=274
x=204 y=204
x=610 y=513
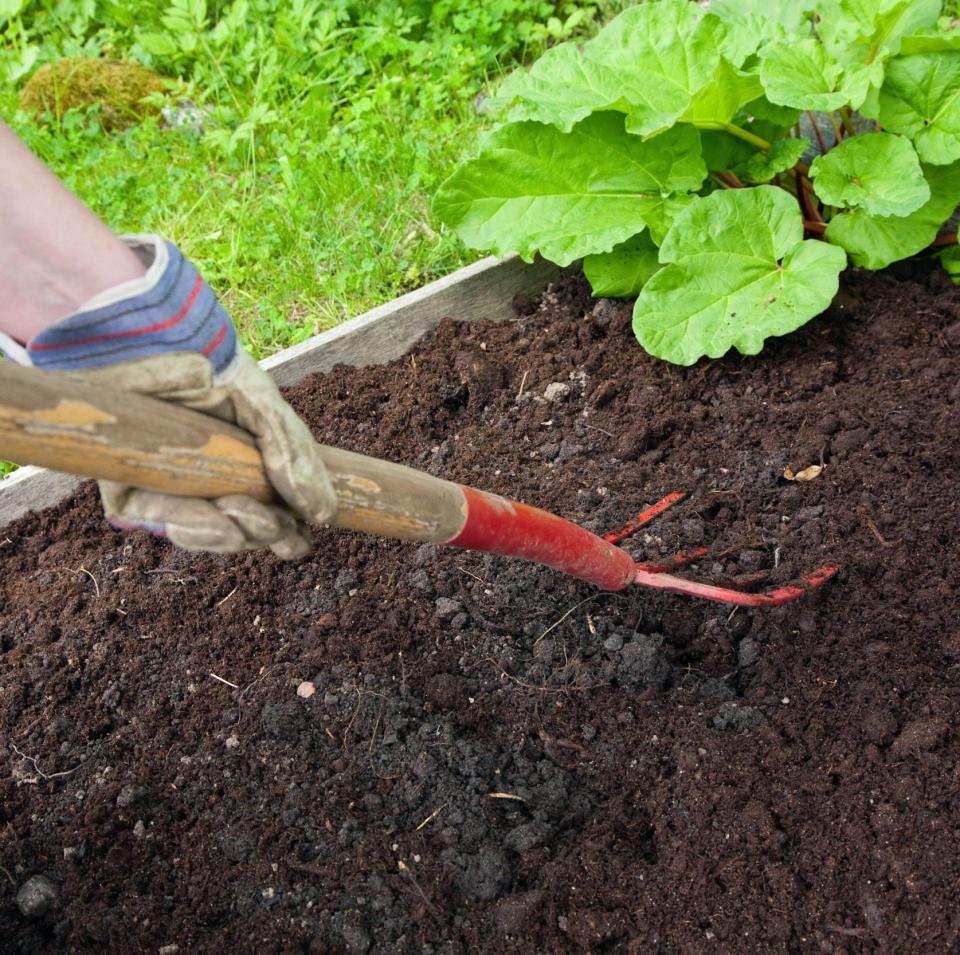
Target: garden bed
x=493 y=756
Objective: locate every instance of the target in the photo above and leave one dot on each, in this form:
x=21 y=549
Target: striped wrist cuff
x=170 y=309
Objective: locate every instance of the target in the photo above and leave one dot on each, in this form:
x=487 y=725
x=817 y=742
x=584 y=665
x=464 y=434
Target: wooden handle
x=58 y=422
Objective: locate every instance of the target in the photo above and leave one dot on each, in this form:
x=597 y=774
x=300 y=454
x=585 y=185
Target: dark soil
x=497 y=758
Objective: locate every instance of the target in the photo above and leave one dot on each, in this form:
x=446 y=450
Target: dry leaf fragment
x=807 y=474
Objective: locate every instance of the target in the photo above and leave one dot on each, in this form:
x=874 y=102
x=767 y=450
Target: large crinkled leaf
x=562 y=88
x=781 y=156
x=861 y=35
x=534 y=188
x=648 y=62
x=737 y=271
x=873 y=242
x=920 y=98
x=622 y=272
x=752 y=24
x=876 y=172
x=801 y=74
x=867 y=32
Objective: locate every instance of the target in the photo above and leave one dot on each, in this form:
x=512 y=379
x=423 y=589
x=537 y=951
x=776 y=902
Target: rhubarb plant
x=724 y=165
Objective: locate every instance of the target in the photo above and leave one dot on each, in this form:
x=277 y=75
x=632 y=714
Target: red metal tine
x=644 y=517
x=772 y=598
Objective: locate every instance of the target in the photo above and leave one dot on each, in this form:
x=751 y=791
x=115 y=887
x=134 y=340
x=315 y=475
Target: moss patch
x=117 y=87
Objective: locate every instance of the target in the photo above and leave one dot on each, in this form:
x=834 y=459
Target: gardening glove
x=166 y=336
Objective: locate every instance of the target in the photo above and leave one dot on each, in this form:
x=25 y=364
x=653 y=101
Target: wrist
x=168 y=308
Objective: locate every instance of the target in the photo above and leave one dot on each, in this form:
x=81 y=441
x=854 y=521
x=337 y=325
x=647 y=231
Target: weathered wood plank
x=484 y=290
x=30 y=489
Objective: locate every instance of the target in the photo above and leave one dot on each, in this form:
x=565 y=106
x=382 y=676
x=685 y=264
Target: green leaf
x=782 y=155
x=752 y=24
x=920 y=98
x=534 y=188
x=802 y=75
x=721 y=98
x=930 y=41
x=159 y=44
x=865 y=32
x=722 y=150
x=873 y=242
x=876 y=172
x=950 y=260
x=648 y=62
x=622 y=272
x=562 y=88
x=737 y=271
x=10 y=8
x=663 y=212
x=782 y=117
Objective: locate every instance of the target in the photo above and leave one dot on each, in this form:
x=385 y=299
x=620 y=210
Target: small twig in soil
x=502 y=795
x=177 y=578
x=40 y=773
x=591 y=427
x=225 y=682
x=405 y=869
x=225 y=599
x=436 y=812
x=562 y=743
x=250 y=686
x=470 y=573
x=83 y=570
x=373 y=735
x=553 y=626
x=13 y=881
x=881 y=540
x=353 y=718
x=523 y=381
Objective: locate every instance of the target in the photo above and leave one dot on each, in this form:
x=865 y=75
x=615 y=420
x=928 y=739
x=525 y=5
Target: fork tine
x=772 y=598
x=644 y=517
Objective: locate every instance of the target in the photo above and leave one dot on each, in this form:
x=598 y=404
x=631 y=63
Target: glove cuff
x=170 y=309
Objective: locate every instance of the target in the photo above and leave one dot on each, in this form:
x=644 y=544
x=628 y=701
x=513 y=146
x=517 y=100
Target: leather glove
x=166 y=336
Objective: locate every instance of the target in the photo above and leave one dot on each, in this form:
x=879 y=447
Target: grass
x=304 y=196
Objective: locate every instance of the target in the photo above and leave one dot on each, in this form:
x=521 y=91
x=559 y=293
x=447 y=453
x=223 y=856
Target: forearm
x=54 y=252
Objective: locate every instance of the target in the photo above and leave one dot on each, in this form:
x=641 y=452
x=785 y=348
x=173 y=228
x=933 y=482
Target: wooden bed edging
x=484 y=290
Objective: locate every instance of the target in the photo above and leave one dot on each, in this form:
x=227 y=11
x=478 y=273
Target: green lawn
x=326 y=129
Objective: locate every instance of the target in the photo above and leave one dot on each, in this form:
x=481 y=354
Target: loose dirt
x=496 y=758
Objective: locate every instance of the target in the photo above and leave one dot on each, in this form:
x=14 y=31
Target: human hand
x=166 y=336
